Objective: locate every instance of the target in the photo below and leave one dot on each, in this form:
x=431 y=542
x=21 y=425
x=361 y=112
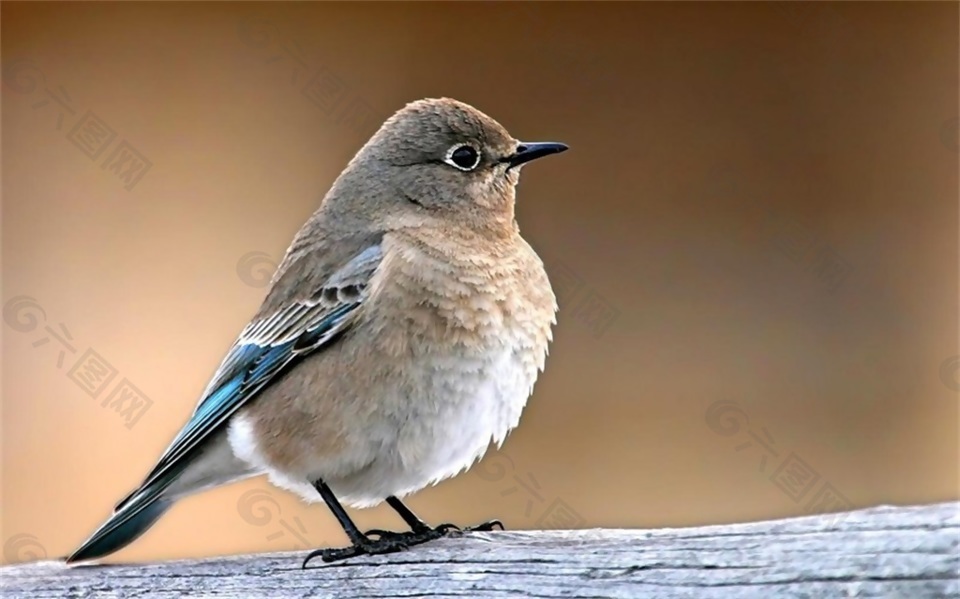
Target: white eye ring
x=468 y=166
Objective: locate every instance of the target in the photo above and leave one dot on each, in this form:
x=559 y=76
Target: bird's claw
x=486 y=527
x=378 y=532
x=388 y=541
x=448 y=528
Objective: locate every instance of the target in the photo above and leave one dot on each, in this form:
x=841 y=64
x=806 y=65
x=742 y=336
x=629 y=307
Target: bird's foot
x=438 y=531
x=486 y=526
x=385 y=542
x=388 y=541
x=425 y=532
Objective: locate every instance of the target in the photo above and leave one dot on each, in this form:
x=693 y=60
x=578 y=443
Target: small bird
x=402 y=335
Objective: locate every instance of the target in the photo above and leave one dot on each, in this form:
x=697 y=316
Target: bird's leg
x=361 y=543
x=419 y=528
x=386 y=541
x=416 y=524
x=356 y=537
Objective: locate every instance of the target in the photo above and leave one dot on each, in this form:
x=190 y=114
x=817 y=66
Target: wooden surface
x=889 y=552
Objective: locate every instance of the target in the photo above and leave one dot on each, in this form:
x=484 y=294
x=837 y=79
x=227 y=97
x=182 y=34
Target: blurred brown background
x=754 y=238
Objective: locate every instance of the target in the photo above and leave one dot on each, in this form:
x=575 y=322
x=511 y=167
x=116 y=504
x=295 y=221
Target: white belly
x=472 y=405
x=432 y=425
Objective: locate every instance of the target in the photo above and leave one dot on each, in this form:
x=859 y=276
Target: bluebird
x=401 y=337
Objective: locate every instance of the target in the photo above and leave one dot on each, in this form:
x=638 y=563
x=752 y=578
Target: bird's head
x=437 y=160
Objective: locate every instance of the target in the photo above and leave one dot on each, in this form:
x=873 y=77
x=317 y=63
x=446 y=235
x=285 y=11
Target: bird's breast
x=454 y=295
x=438 y=364
x=472 y=336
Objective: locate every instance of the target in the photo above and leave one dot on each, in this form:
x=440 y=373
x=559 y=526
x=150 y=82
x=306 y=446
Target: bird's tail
x=132 y=517
x=121 y=529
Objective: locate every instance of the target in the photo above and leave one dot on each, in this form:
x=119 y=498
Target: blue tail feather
x=137 y=512
x=120 y=530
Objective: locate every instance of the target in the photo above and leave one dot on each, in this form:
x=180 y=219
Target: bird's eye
x=464 y=157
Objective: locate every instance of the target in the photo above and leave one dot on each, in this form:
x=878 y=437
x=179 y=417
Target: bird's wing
x=290 y=326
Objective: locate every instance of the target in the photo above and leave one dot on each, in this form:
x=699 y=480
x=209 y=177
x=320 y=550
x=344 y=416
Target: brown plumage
x=402 y=334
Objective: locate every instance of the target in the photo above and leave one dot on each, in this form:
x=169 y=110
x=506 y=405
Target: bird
x=400 y=338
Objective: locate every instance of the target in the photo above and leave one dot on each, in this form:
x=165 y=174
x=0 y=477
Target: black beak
x=528 y=151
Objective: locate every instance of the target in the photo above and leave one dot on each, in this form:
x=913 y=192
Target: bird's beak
x=528 y=151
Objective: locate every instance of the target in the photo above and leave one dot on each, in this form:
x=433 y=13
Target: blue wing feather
x=249 y=368
x=264 y=350
x=255 y=366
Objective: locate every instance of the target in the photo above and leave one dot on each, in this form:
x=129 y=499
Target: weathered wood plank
x=889 y=552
